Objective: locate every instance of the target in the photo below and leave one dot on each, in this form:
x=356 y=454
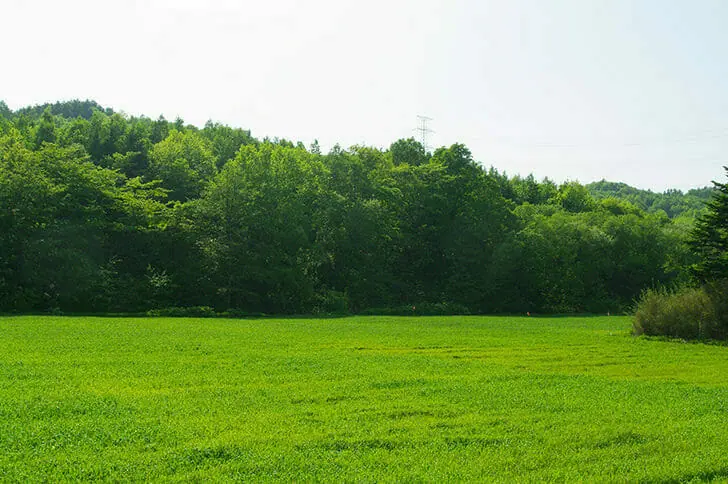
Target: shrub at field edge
x=687 y=312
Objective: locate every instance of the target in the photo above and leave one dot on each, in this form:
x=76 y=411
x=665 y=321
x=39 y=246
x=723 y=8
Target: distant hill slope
x=673 y=202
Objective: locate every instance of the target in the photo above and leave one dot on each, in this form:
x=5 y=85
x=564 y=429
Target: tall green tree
x=408 y=151
x=226 y=141
x=5 y=110
x=46 y=130
x=710 y=237
x=356 y=228
x=184 y=162
x=255 y=229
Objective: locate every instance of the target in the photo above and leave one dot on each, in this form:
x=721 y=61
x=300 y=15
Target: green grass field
x=365 y=399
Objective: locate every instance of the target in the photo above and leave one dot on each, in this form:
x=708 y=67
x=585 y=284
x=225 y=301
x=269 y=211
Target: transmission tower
x=424 y=130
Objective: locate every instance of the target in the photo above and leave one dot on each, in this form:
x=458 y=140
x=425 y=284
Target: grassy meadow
x=361 y=398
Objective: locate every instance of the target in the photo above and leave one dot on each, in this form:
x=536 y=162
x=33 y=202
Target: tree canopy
x=709 y=238
x=102 y=211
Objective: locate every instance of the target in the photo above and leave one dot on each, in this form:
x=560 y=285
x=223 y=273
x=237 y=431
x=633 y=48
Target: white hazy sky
x=631 y=90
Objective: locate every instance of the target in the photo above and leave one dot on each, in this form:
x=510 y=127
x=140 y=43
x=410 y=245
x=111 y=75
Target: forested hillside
x=674 y=203
x=101 y=212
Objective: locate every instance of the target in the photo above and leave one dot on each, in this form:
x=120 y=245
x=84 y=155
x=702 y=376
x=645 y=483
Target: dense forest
x=105 y=212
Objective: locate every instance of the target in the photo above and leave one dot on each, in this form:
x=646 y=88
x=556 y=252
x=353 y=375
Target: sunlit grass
x=376 y=398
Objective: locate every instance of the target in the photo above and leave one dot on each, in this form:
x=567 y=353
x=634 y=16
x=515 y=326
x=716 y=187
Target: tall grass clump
x=686 y=312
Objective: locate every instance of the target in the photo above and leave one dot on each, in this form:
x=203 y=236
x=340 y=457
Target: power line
x=694 y=138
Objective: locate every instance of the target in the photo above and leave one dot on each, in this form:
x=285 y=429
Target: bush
x=423 y=309
x=240 y=313
x=332 y=302
x=184 y=312
x=718 y=292
x=688 y=313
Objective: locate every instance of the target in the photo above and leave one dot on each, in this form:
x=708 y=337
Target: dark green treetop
x=709 y=238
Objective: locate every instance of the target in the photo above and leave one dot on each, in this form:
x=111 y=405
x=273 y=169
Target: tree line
x=105 y=212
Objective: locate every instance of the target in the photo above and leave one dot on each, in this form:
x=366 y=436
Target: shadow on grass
x=720 y=473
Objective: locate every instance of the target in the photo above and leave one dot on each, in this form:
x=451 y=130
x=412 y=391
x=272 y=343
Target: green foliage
x=616 y=206
x=528 y=190
x=332 y=302
x=66 y=109
x=106 y=212
x=5 y=112
x=422 y=309
x=46 y=131
x=563 y=262
x=185 y=162
x=574 y=197
x=184 y=312
x=672 y=202
x=408 y=151
x=226 y=141
x=709 y=238
x=58 y=207
x=687 y=312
